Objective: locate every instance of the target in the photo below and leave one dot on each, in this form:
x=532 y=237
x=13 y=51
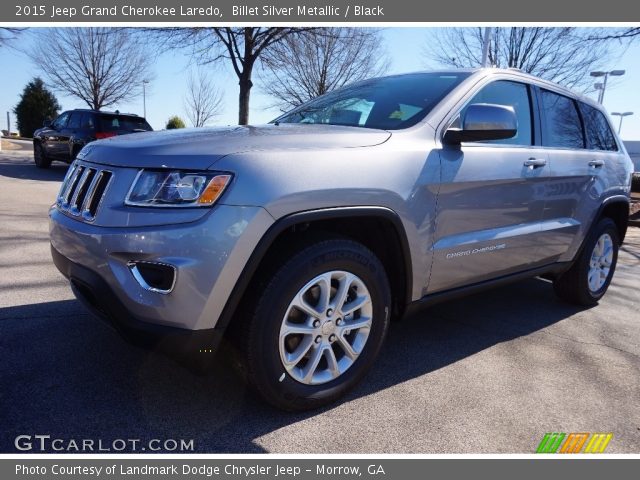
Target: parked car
x=633 y=149
x=63 y=138
x=300 y=240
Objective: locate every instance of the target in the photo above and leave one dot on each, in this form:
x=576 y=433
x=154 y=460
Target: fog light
x=154 y=276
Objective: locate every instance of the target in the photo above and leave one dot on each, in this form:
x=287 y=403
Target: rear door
x=490 y=201
x=571 y=196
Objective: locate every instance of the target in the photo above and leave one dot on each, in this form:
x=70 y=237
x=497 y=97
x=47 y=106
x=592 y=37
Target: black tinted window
x=599 y=134
x=74 y=120
x=388 y=103
x=61 y=121
x=123 y=123
x=87 y=121
x=512 y=94
x=562 y=127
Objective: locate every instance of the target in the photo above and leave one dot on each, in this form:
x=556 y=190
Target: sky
x=165 y=93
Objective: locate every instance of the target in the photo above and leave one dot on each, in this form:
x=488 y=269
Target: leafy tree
x=36 y=105
x=175 y=122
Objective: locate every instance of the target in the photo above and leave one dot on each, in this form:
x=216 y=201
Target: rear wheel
x=40 y=157
x=590 y=276
x=318 y=325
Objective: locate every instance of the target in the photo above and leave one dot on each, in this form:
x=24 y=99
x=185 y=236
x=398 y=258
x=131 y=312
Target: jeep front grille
x=82 y=191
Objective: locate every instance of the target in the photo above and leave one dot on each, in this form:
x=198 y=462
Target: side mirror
x=484 y=121
x=47 y=123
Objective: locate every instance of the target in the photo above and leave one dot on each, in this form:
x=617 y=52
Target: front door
x=491 y=199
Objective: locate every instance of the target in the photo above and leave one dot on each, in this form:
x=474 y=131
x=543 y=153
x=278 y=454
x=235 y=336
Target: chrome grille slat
x=79 y=190
x=82 y=191
x=91 y=191
x=66 y=183
x=96 y=195
x=71 y=186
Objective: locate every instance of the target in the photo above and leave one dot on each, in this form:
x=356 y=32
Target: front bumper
x=95 y=294
x=208 y=255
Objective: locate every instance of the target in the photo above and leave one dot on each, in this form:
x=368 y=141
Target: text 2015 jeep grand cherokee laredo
x=306 y=236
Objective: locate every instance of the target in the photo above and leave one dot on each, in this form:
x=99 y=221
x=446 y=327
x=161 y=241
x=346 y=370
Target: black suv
x=63 y=138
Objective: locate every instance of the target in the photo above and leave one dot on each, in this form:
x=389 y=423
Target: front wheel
x=40 y=157
x=318 y=325
x=590 y=275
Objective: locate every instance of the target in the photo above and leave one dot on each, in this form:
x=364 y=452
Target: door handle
x=535 y=162
x=596 y=163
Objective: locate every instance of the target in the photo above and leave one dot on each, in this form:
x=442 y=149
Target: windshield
x=388 y=103
x=119 y=123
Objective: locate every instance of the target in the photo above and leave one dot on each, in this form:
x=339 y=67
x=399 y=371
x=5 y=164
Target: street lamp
x=614 y=73
x=144 y=98
x=621 y=115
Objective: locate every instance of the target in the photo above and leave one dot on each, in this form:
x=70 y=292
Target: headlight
x=176 y=188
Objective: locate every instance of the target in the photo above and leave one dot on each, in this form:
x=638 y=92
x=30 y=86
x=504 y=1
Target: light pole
x=614 y=73
x=485 y=46
x=621 y=115
x=144 y=98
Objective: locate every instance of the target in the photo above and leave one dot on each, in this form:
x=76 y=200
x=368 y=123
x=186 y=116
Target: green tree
x=175 y=122
x=36 y=105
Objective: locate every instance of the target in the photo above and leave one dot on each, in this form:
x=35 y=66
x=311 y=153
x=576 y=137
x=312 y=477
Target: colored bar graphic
x=598 y=442
x=550 y=442
x=574 y=442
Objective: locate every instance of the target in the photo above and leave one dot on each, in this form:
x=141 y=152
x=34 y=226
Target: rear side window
x=563 y=128
x=87 y=121
x=599 y=134
x=74 y=120
x=123 y=123
x=512 y=94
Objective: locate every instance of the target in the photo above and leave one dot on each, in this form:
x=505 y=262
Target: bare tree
x=631 y=33
x=101 y=66
x=203 y=100
x=562 y=54
x=304 y=66
x=241 y=46
x=8 y=34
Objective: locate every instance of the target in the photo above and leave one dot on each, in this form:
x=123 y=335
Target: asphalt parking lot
x=491 y=373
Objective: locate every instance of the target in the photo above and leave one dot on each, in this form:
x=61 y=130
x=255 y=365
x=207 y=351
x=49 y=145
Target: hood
x=199 y=148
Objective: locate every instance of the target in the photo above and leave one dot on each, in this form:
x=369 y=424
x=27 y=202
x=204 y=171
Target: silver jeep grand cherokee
x=303 y=238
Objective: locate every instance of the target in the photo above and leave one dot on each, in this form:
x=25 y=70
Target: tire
x=75 y=150
x=270 y=336
x=590 y=275
x=40 y=157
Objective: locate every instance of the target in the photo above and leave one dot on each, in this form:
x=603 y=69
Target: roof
x=117 y=112
x=517 y=72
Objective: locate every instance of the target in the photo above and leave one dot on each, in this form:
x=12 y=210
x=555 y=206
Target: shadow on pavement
x=14 y=165
x=67 y=375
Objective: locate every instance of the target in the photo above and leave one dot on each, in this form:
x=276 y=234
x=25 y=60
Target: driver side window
x=513 y=94
x=61 y=121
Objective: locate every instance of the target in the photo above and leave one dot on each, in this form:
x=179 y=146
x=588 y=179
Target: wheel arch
x=298 y=228
x=617 y=209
